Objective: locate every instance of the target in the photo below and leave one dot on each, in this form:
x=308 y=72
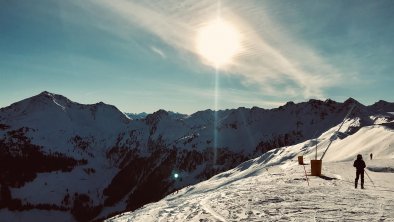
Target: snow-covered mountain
x=86 y=162
x=137 y=115
x=274 y=187
x=143 y=115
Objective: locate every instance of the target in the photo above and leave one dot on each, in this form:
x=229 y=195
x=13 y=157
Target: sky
x=142 y=56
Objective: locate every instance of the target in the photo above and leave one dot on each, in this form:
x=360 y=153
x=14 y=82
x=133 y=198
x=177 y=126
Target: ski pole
x=370 y=179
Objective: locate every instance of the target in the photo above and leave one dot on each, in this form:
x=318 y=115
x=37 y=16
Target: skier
x=370 y=155
x=360 y=165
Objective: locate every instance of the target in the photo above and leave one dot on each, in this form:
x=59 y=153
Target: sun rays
x=218 y=42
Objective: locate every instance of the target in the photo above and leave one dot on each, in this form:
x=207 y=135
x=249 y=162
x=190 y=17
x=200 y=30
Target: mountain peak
x=56 y=98
x=381 y=102
x=52 y=111
x=383 y=105
x=45 y=93
x=350 y=100
x=38 y=103
x=156 y=116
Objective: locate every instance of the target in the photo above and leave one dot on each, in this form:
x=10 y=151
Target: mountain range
x=65 y=161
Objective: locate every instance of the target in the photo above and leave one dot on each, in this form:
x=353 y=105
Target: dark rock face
x=281 y=140
x=20 y=160
x=82 y=209
x=155 y=184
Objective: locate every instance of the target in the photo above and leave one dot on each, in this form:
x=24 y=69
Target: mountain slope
x=274 y=187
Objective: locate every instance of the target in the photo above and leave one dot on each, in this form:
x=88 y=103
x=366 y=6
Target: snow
x=371 y=139
x=55 y=119
x=273 y=187
x=52 y=187
x=383 y=166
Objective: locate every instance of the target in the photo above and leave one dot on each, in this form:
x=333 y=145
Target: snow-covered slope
x=273 y=187
x=54 y=120
x=137 y=115
x=59 y=157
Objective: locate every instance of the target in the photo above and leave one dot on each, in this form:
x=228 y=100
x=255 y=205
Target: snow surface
x=273 y=187
x=52 y=187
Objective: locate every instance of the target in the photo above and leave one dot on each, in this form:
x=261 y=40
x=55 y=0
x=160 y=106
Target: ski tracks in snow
x=275 y=197
x=387 y=211
x=279 y=194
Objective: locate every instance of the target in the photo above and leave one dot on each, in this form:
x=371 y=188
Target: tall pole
x=351 y=109
x=316 y=149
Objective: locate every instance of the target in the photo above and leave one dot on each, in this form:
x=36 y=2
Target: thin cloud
x=158 y=52
x=270 y=60
x=229 y=98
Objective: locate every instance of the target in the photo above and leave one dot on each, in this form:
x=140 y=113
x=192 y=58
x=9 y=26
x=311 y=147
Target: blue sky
x=141 y=55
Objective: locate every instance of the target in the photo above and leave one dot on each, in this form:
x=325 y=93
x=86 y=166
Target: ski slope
x=273 y=187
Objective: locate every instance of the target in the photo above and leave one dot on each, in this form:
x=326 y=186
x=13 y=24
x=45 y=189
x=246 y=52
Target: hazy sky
x=142 y=56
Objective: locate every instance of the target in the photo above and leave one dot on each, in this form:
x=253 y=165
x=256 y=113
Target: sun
x=218 y=42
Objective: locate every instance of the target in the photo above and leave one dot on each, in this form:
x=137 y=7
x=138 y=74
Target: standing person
x=370 y=155
x=360 y=165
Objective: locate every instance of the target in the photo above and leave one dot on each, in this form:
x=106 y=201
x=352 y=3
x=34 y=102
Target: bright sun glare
x=218 y=42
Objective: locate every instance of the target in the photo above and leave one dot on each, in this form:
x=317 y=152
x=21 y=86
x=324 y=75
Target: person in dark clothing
x=370 y=155
x=360 y=165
